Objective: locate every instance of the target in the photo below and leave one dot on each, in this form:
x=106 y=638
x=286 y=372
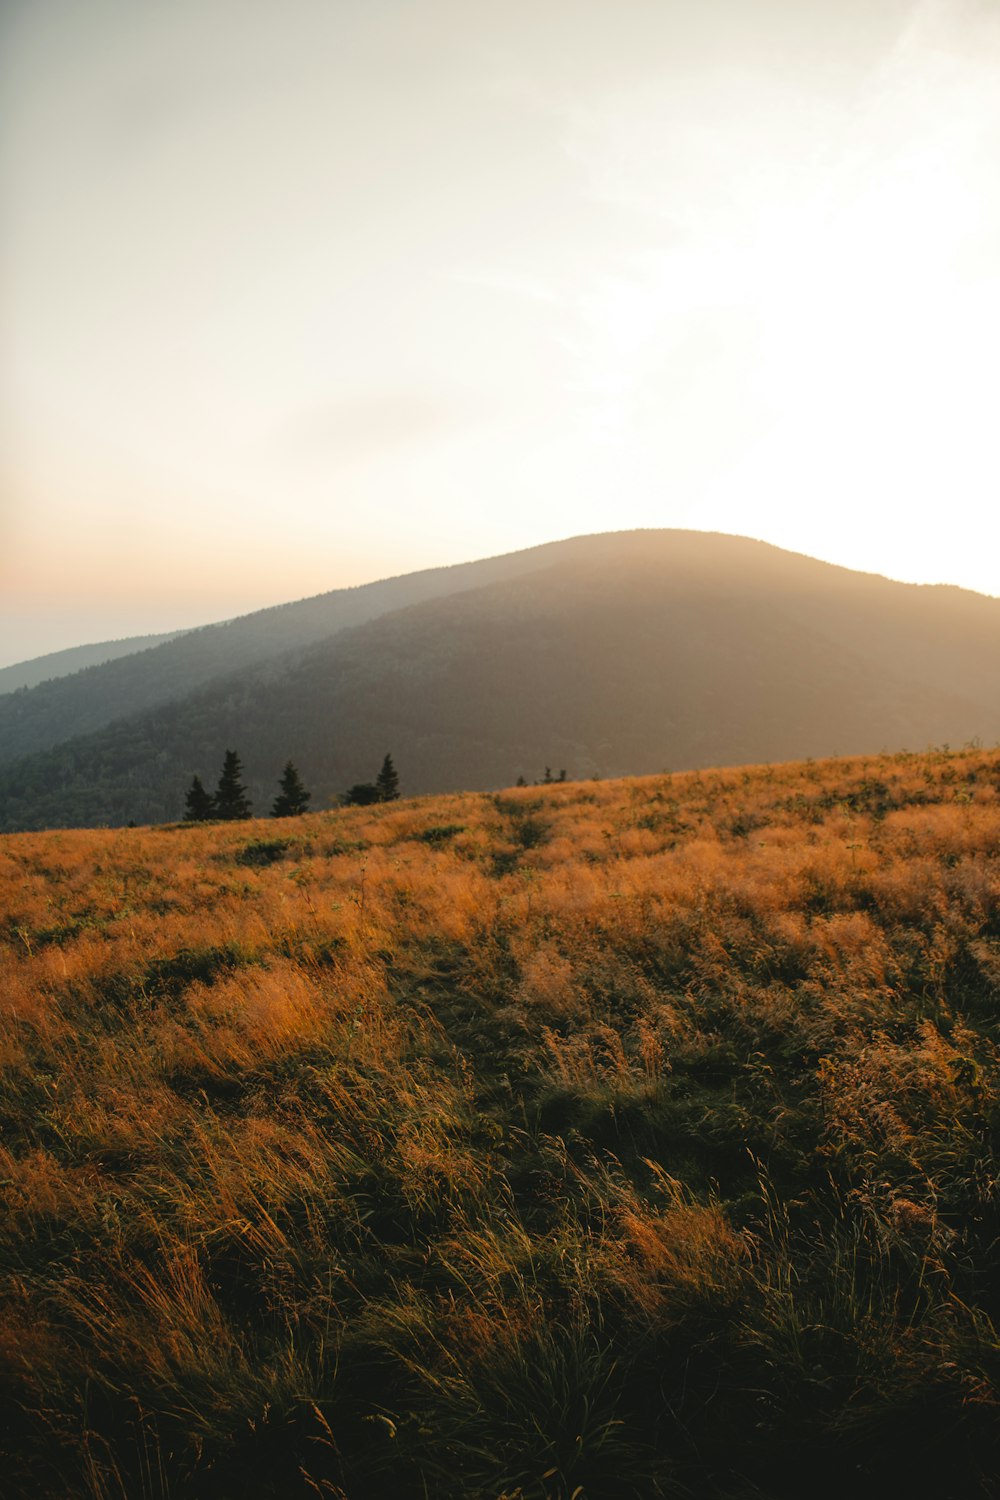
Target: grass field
x=598 y=1140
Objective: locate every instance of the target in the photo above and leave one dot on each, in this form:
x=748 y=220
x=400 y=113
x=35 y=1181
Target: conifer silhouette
x=387 y=781
x=231 y=800
x=291 y=801
x=199 y=804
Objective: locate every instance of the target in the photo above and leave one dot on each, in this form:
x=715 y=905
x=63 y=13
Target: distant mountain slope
x=45 y=715
x=27 y=674
x=630 y=653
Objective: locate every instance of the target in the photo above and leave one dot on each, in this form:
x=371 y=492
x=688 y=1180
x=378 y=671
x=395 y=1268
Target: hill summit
x=604 y=655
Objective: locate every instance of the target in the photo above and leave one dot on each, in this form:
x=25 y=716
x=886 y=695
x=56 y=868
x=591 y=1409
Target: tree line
x=547 y=779
x=230 y=800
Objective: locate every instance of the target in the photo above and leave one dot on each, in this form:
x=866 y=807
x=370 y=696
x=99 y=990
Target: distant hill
x=54 y=711
x=615 y=654
x=27 y=674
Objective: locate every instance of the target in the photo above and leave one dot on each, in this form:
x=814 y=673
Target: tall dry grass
x=589 y=1140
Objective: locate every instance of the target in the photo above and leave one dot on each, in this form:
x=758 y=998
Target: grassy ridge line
x=608 y=655
x=607 y=1139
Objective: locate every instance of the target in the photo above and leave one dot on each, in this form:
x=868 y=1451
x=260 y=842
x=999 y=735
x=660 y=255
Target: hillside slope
x=632 y=1141
x=28 y=674
x=39 y=717
x=624 y=655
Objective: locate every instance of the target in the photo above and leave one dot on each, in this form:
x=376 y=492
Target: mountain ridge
x=55 y=664
x=38 y=717
x=626 y=654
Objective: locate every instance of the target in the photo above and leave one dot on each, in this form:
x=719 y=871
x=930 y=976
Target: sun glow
x=308 y=304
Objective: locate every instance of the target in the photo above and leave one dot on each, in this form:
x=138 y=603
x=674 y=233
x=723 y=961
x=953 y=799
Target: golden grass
x=598 y=1139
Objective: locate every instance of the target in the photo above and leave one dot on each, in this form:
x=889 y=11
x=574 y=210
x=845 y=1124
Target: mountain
x=41 y=716
x=617 y=654
x=27 y=674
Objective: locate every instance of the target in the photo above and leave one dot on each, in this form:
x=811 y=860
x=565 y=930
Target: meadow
x=578 y=1142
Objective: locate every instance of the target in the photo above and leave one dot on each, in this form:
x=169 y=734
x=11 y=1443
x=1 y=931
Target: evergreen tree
x=293 y=796
x=200 y=804
x=387 y=781
x=231 y=800
x=362 y=794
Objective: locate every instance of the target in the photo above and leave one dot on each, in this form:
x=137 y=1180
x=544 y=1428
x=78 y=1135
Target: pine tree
x=293 y=796
x=200 y=804
x=231 y=800
x=387 y=781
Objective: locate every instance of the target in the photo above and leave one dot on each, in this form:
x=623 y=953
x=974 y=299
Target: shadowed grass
x=595 y=1140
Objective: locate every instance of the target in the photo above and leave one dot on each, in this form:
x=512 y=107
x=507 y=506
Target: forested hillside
x=28 y=674
x=37 y=718
x=625 y=654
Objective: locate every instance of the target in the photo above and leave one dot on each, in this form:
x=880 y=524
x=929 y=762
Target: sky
x=294 y=296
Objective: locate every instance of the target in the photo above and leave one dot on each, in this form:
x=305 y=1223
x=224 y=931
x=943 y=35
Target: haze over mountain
x=53 y=664
x=60 y=709
x=610 y=655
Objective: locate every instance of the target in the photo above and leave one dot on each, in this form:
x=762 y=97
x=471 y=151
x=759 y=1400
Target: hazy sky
x=300 y=294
